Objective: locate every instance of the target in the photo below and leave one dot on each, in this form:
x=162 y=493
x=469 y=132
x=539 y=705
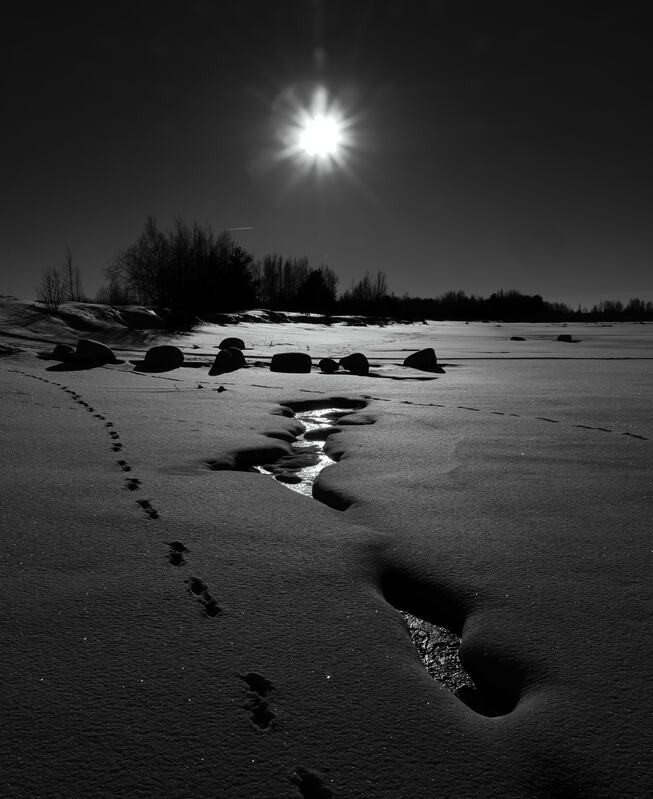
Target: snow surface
x=169 y=629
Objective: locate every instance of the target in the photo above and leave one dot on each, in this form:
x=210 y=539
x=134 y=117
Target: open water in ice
x=436 y=646
x=299 y=470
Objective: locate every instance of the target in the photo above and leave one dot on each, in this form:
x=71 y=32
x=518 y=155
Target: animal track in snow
x=209 y=604
x=176 y=549
x=176 y=553
x=148 y=508
x=310 y=783
x=258 y=683
x=515 y=416
x=259 y=687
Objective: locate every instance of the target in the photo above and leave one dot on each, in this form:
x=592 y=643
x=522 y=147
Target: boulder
x=90 y=351
x=224 y=362
x=328 y=365
x=565 y=337
x=517 y=338
x=229 y=343
x=356 y=363
x=424 y=360
x=163 y=357
x=63 y=352
x=291 y=362
x=237 y=357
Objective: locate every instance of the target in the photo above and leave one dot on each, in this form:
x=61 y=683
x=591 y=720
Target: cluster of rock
x=87 y=353
x=230 y=357
x=566 y=337
x=357 y=364
x=301 y=362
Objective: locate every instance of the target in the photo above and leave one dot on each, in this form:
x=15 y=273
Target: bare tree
x=52 y=289
x=115 y=293
x=74 y=279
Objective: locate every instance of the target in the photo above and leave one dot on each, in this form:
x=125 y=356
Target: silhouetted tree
x=188 y=269
x=114 y=293
x=291 y=284
x=270 y=279
x=73 y=278
x=51 y=291
x=317 y=294
x=368 y=296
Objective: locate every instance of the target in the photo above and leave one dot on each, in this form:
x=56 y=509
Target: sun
x=320 y=135
x=316 y=130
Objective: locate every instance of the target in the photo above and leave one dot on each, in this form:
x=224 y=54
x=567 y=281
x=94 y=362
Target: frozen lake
x=248 y=639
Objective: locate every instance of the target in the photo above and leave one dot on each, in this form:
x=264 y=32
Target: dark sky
x=493 y=144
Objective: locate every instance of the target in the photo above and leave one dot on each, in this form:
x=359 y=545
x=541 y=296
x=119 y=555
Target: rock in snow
x=425 y=360
x=291 y=362
x=328 y=365
x=237 y=357
x=63 y=352
x=91 y=351
x=165 y=356
x=356 y=363
x=224 y=362
x=231 y=342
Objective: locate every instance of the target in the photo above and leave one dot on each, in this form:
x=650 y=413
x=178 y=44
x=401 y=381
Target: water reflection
x=299 y=470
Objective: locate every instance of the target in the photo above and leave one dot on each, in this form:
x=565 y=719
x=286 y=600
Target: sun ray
x=317 y=133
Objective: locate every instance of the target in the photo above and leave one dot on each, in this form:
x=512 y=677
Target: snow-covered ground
x=169 y=629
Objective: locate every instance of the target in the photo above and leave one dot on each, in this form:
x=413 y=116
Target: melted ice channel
x=298 y=470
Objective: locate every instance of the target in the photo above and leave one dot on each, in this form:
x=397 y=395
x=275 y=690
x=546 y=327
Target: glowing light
x=317 y=132
x=321 y=136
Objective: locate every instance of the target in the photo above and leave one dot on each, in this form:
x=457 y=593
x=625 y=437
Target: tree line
x=190 y=270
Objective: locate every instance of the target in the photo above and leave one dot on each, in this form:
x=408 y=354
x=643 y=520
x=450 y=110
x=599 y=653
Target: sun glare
x=316 y=130
x=320 y=136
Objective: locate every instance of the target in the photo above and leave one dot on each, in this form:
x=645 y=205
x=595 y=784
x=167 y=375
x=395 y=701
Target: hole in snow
x=438 y=651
